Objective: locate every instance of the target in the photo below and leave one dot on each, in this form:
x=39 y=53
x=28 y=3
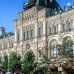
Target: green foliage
x=44 y=59
x=28 y=61
x=14 y=62
x=0 y=64
x=5 y=62
x=66 y=51
x=50 y=72
x=39 y=51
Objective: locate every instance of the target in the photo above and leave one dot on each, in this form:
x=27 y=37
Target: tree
x=14 y=62
x=5 y=62
x=44 y=58
x=65 y=52
x=28 y=61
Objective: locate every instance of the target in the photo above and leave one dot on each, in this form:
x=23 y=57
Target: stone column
x=21 y=26
x=36 y=33
x=36 y=39
x=49 y=49
x=21 y=33
x=36 y=30
x=60 y=27
x=15 y=35
x=44 y=28
x=26 y=34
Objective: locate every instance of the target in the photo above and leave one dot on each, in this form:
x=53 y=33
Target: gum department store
x=42 y=25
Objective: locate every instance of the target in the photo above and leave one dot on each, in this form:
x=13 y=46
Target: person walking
x=8 y=72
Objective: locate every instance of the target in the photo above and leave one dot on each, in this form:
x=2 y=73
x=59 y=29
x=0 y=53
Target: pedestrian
x=3 y=72
x=8 y=72
x=35 y=71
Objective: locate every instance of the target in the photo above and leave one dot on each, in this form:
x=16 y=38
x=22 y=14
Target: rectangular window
x=18 y=37
x=54 y=52
x=64 y=27
x=28 y=34
x=50 y=30
x=40 y=31
x=56 y=29
x=32 y=33
x=70 y=25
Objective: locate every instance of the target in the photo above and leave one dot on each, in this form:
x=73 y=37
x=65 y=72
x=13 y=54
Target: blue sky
x=9 y=10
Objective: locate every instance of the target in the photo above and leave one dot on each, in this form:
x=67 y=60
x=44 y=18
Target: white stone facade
x=34 y=19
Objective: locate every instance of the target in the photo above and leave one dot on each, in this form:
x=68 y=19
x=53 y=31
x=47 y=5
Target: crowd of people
x=9 y=72
x=36 y=71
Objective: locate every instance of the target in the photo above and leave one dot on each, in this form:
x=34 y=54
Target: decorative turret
x=2 y=31
x=52 y=4
x=4 y=34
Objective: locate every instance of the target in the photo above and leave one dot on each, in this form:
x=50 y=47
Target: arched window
x=28 y=34
x=68 y=45
x=70 y=25
x=50 y=30
x=56 y=29
x=40 y=31
x=32 y=33
x=54 y=52
x=53 y=49
x=64 y=27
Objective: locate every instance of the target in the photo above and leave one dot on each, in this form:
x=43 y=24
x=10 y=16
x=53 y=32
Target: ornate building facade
x=39 y=26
